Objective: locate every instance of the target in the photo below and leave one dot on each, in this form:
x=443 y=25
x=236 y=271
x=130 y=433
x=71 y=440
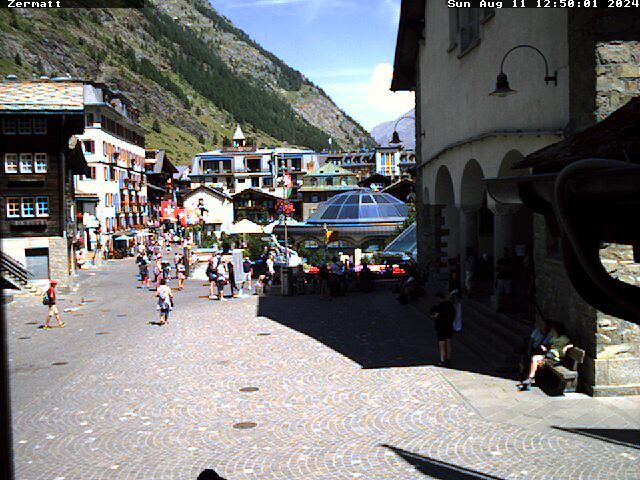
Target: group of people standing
x=220 y=273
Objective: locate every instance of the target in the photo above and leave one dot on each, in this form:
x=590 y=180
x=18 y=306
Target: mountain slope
x=406 y=129
x=186 y=66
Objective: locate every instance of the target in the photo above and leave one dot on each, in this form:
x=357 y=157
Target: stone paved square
x=346 y=389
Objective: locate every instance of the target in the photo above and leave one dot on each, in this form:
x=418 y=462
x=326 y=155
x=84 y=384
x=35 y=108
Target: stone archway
x=444 y=198
x=473 y=194
x=513 y=235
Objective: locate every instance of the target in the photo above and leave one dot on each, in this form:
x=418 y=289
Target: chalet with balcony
x=40 y=156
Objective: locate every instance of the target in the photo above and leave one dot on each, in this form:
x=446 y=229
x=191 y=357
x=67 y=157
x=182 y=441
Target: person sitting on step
x=558 y=346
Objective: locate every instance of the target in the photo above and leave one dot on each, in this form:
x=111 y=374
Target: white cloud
x=369 y=100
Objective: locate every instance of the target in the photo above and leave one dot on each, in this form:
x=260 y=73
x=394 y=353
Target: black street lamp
x=395 y=138
x=502 y=82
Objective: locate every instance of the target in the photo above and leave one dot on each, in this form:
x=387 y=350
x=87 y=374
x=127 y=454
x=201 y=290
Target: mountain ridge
x=185 y=65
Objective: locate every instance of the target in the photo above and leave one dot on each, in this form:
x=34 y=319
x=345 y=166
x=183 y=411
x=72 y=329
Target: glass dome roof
x=360 y=206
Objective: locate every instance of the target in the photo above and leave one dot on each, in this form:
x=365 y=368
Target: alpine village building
x=40 y=158
x=572 y=68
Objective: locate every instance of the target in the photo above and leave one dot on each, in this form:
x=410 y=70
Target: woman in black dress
x=443 y=314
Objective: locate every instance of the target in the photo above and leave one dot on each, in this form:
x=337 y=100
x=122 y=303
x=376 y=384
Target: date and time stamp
x=545 y=4
x=450 y=3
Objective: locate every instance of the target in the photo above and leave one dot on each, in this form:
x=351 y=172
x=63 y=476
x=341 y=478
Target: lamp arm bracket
x=547 y=78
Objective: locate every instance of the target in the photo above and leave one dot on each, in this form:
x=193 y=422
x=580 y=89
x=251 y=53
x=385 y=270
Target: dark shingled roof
x=617 y=137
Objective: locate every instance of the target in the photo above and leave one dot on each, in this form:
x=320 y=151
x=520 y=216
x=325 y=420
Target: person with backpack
x=165 y=301
x=212 y=275
x=143 y=265
x=222 y=278
x=49 y=299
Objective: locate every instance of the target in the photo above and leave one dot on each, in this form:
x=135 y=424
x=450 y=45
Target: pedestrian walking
x=143 y=265
x=50 y=299
x=212 y=275
x=247 y=268
x=222 y=276
x=271 y=271
x=182 y=273
x=443 y=314
x=232 y=280
x=165 y=301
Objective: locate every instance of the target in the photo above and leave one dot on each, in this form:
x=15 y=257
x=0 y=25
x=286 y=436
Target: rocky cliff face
x=406 y=129
x=183 y=64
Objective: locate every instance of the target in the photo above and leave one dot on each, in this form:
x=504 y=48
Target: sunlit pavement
x=280 y=388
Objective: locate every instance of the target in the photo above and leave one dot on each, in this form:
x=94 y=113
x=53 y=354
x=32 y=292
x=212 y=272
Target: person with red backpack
x=49 y=299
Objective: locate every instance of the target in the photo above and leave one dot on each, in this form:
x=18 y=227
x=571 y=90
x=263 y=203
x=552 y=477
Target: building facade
x=213 y=208
x=160 y=183
x=38 y=120
x=113 y=143
x=237 y=168
x=322 y=184
x=255 y=205
x=468 y=139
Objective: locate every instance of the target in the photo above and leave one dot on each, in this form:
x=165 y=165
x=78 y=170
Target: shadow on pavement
x=627 y=438
x=373 y=330
x=438 y=469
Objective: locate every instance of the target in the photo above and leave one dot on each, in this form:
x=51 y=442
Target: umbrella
x=245 y=227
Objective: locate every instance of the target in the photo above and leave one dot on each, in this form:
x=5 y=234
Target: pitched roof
x=255 y=190
x=330 y=169
x=43 y=96
x=209 y=190
x=238 y=135
x=617 y=137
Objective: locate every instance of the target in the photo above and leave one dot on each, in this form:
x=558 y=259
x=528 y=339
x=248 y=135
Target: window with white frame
x=13 y=207
x=26 y=163
x=41 y=163
x=10 y=163
x=40 y=126
x=24 y=126
x=42 y=206
x=9 y=126
x=28 y=207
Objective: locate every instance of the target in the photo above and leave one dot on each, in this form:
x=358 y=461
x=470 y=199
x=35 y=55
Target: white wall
x=220 y=211
x=454 y=92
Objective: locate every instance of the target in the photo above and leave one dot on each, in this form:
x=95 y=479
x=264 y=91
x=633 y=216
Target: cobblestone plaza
x=282 y=388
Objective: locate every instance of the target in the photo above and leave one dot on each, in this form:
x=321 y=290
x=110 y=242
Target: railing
x=13 y=268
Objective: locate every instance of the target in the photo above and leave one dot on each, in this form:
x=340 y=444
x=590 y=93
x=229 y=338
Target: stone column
x=503 y=234
x=503 y=228
x=452 y=224
x=468 y=234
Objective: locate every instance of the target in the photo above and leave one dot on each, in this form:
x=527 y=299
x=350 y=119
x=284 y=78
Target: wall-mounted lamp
x=395 y=138
x=502 y=83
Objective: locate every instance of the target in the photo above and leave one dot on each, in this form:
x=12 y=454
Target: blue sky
x=344 y=46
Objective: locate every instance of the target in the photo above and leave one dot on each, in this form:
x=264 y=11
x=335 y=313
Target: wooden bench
x=566 y=373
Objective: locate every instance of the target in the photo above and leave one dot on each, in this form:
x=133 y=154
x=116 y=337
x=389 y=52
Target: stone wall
x=605 y=76
x=618 y=342
x=618 y=75
x=559 y=301
x=59 y=263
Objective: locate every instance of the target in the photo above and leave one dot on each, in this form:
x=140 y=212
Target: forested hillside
x=190 y=70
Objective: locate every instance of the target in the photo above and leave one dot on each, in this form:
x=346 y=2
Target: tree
x=201 y=139
x=18 y=60
x=156 y=126
x=198 y=112
x=214 y=140
x=226 y=142
x=39 y=67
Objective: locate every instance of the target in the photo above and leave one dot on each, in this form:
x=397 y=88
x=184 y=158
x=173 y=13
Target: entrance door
x=37 y=263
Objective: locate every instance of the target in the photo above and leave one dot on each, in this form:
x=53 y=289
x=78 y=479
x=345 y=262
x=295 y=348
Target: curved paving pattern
x=151 y=402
